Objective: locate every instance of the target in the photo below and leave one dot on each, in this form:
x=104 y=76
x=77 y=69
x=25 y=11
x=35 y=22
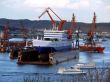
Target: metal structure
x=71 y=29
x=91 y=44
x=4 y=41
x=52 y=20
x=5 y=31
x=92 y=29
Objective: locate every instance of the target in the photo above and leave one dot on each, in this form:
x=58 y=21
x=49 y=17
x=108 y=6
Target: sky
x=31 y=9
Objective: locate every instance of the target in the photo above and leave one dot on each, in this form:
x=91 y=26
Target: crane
x=93 y=26
x=53 y=22
x=5 y=34
x=71 y=29
x=92 y=29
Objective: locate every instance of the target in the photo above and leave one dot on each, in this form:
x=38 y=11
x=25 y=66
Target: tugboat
x=90 y=44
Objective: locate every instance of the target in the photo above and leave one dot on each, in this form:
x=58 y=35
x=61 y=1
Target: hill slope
x=42 y=24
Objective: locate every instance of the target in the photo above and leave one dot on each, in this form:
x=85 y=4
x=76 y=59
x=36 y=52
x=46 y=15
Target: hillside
x=42 y=24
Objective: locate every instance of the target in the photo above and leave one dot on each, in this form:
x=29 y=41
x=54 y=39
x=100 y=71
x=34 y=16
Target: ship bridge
x=55 y=35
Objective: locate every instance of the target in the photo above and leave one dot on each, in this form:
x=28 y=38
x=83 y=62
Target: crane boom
x=42 y=13
x=47 y=11
x=61 y=21
x=54 y=13
x=53 y=22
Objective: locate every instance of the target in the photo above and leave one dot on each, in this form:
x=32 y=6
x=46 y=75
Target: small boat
x=62 y=70
x=84 y=65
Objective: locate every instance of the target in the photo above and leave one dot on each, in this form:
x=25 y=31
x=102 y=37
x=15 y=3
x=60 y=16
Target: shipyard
x=45 y=42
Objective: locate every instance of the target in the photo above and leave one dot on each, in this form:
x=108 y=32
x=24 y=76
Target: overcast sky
x=31 y=9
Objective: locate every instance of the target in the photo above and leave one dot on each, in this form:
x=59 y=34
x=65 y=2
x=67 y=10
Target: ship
x=55 y=39
x=43 y=49
x=91 y=44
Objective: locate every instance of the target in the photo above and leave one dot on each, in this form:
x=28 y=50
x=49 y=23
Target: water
x=11 y=71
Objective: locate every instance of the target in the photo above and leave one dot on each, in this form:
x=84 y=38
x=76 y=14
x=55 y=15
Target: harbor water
x=10 y=71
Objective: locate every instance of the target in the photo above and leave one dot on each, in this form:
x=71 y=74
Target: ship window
x=48 y=39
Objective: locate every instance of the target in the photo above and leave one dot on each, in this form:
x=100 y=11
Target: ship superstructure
x=58 y=40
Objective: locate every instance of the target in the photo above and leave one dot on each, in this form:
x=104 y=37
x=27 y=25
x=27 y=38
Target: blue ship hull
x=44 y=49
x=51 y=49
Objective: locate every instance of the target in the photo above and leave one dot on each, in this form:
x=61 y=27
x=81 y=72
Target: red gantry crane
x=53 y=22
